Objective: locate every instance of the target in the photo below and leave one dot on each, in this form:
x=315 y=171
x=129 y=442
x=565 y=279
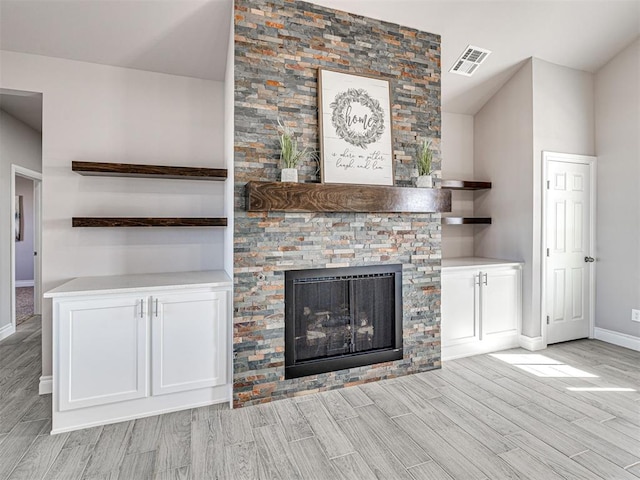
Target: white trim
x=7 y=331
x=532 y=343
x=46 y=385
x=468 y=349
x=617 y=338
x=37 y=244
x=567 y=158
x=18 y=171
x=24 y=283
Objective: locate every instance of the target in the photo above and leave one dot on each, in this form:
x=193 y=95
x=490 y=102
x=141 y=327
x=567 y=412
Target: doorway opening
x=26 y=265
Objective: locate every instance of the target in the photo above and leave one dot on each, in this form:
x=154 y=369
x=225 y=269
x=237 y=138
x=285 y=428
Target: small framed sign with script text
x=355 y=129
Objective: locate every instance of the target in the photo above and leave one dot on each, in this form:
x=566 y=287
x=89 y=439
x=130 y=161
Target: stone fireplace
x=279 y=46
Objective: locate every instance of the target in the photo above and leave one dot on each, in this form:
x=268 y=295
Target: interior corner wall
x=229 y=139
x=617 y=108
x=563 y=122
x=24 y=249
x=457 y=163
x=503 y=151
x=20 y=145
x=542 y=107
x=101 y=113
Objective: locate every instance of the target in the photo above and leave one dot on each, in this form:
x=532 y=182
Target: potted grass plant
x=290 y=154
x=425 y=157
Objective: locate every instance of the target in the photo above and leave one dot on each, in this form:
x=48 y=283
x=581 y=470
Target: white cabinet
x=152 y=345
x=481 y=306
x=186 y=348
x=460 y=305
x=103 y=351
x=500 y=302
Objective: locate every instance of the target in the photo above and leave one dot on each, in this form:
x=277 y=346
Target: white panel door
x=568 y=226
x=188 y=333
x=500 y=302
x=102 y=351
x=460 y=307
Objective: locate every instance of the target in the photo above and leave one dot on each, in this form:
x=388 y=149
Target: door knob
x=589 y=259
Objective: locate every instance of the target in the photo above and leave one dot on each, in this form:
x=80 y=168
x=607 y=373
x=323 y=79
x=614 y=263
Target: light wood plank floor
x=554 y=414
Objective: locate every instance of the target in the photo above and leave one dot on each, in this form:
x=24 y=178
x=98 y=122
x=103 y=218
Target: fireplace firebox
x=337 y=318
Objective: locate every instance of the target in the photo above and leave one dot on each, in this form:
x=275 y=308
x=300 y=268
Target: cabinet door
x=500 y=302
x=189 y=340
x=460 y=307
x=102 y=351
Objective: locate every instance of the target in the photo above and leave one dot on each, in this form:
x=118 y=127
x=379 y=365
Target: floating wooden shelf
x=148 y=171
x=147 y=222
x=325 y=197
x=464 y=185
x=466 y=221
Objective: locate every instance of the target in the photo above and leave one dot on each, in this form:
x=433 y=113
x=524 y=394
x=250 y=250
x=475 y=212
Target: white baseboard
x=24 y=283
x=7 y=331
x=461 y=350
x=46 y=385
x=532 y=343
x=86 y=417
x=616 y=338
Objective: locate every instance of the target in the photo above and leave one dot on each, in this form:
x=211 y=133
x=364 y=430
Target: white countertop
x=465 y=262
x=140 y=282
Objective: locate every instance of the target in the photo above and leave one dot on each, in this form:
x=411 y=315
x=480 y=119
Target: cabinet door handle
x=156 y=313
x=141 y=307
x=486 y=278
x=476 y=280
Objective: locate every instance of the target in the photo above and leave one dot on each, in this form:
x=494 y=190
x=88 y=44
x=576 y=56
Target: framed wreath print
x=355 y=129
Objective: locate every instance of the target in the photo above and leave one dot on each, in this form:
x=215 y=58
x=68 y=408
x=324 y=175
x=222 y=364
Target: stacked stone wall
x=279 y=46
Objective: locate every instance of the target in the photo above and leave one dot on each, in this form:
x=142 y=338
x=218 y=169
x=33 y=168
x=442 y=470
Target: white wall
x=457 y=164
x=617 y=106
x=101 y=113
x=24 y=249
x=19 y=145
x=563 y=121
x=503 y=149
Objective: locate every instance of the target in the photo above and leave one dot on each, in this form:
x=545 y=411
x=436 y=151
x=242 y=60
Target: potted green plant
x=425 y=157
x=290 y=154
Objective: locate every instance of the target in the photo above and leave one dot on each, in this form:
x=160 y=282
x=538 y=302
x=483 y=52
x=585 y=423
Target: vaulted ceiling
x=190 y=37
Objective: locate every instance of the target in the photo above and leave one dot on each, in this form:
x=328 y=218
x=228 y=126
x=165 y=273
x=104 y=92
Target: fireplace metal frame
x=324 y=365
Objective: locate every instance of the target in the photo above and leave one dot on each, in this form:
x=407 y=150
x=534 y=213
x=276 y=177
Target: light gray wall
x=457 y=164
x=563 y=121
x=24 y=249
x=108 y=114
x=503 y=150
x=19 y=145
x=618 y=207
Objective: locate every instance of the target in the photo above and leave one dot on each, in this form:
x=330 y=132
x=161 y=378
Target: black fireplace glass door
x=339 y=318
x=343 y=316
x=374 y=313
x=322 y=319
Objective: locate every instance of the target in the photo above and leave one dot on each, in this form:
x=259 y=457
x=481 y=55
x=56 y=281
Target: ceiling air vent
x=470 y=60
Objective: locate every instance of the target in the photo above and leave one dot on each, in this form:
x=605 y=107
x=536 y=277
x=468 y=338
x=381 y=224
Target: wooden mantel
x=325 y=197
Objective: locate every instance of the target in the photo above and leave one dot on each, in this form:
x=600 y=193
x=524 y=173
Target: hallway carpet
x=24 y=304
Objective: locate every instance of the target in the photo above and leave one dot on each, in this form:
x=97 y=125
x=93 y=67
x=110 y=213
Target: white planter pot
x=289 y=175
x=424 y=181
